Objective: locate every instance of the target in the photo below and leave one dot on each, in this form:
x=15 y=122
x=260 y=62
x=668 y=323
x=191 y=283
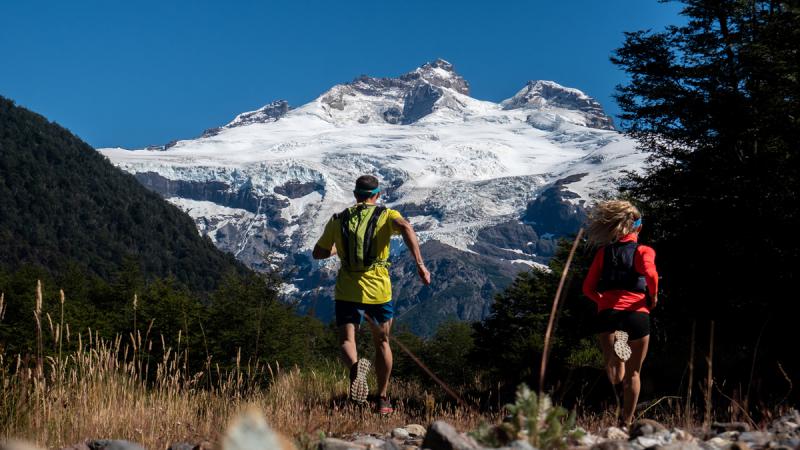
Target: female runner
x=623 y=281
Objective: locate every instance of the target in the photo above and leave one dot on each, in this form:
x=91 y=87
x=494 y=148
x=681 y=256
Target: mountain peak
x=546 y=94
x=439 y=63
x=439 y=73
x=398 y=100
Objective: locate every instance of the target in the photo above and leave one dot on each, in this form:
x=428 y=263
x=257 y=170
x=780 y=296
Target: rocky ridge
x=267 y=113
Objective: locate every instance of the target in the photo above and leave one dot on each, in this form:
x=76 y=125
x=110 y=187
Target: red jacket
x=644 y=262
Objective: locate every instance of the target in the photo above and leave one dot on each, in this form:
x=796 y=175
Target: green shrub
x=537 y=420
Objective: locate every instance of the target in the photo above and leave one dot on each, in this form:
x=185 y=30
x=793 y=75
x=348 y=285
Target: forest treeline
x=63 y=203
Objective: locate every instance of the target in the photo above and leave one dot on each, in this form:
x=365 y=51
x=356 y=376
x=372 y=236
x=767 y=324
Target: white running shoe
x=621 y=347
x=358 y=381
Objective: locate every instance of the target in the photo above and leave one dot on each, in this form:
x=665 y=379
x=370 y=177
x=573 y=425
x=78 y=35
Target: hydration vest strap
x=344 y=219
x=370 y=251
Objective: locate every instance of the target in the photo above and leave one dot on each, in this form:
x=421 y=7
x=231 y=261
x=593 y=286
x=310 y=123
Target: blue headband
x=638 y=223
x=369 y=192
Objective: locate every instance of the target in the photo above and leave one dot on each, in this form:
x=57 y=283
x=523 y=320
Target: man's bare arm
x=410 y=238
x=322 y=253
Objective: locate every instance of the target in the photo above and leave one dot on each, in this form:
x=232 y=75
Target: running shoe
x=384 y=406
x=621 y=347
x=358 y=381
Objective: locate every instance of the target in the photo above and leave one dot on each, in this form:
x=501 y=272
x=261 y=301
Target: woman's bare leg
x=631 y=382
x=615 y=367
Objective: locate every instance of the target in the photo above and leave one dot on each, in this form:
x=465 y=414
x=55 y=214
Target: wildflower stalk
x=37 y=315
x=548 y=333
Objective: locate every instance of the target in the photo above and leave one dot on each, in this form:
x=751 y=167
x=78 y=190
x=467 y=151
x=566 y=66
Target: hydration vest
x=358 y=227
x=619 y=272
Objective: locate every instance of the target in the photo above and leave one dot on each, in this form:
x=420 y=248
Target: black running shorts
x=636 y=324
x=352 y=312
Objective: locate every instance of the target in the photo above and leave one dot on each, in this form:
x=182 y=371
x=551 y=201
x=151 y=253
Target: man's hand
x=410 y=238
x=424 y=275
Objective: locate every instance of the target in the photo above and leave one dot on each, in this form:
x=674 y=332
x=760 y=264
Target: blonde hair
x=610 y=220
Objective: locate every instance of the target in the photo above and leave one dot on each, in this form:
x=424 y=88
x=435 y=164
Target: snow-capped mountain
x=489 y=186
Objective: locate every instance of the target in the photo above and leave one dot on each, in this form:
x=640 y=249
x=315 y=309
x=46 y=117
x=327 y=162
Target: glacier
x=489 y=186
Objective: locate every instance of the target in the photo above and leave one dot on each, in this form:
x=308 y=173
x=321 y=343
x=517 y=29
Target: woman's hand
x=424 y=275
x=653 y=301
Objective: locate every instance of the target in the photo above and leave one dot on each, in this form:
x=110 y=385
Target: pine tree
x=716 y=104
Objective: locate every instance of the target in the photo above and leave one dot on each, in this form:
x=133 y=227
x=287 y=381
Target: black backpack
x=619 y=272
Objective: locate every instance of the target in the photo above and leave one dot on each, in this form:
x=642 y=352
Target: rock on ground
x=442 y=436
x=81 y=446
x=646 y=427
x=181 y=446
x=615 y=433
x=339 y=444
x=113 y=444
x=370 y=442
x=415 y=430
x=401 y=433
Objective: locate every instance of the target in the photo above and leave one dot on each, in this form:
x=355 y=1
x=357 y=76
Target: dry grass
x=99 y=392
x=112 y=389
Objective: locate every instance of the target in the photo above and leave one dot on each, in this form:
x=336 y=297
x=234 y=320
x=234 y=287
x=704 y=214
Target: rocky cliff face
x=489 y=187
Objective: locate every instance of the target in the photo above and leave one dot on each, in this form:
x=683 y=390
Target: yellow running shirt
x=373 y=286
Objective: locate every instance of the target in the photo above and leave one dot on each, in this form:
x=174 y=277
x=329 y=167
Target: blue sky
x=134 y=73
